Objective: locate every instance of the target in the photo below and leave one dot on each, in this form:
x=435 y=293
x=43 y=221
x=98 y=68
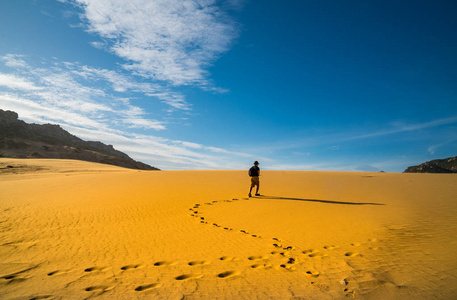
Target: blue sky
x=297 y=85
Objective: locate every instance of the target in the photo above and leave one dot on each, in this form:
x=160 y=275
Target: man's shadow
x=316 y=200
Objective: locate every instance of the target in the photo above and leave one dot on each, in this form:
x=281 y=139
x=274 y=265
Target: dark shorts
x=255 y=181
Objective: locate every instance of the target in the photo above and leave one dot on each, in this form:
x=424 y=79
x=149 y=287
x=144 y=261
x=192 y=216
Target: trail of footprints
x=259 y=261
x=281 y=249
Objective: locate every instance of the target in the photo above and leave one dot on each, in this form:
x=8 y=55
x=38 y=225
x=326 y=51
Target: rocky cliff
x=447 y=165
x=21 y=140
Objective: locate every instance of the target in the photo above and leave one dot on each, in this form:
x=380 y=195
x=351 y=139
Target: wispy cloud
x=70 y=88
x=328 y=139
x=14 y=61
x=167 y=40
x=94 y=105
x=399 y=127
x=17 y=83
x=167 y=153
x=122 y=83
x=446 y=141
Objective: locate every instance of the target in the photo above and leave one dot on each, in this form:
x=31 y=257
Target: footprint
x=288 y=267
x=351 y=254
x=329 y=247
x=285 y=253
x=373 y=248
x=257 y=266
x=372 y=240
x=349 y=293
x=289 y=248
x=189 y=276
x=12 y=277
x=15 y=277
x=165 y=263
x=228 y=274
x=99 y=287
x=292 y=260
x=41 y=297
x=317 y=254
x=130 y=267
x=257 y=236
x=309 y=251
x=356 y=244
x=277 y=245
x=257 y=257
x=100 y=269
x=276 y=239
x=146 y=287
x=244 y=231
x=198 y=262
x=57 y=272
x=313 y=273
x=216 y=225
x=275 y=252
x=228 y=258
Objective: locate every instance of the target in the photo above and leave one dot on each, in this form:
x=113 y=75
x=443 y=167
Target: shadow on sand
x=316 y=200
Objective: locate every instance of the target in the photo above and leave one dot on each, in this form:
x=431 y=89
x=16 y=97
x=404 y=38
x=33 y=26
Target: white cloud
x=447 y=140
x=69 y=88
x=164 y=153
x=93 y=104
x=144 y=123
x=16 y=83
x=37 y=112
x=167 y=40
x=122 y=83
x=14 y=61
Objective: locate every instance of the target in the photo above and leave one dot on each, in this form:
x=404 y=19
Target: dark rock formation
x=21 y=140
x=447 y=165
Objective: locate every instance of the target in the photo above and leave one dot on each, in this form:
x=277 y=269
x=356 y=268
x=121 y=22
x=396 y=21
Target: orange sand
x=71 y=229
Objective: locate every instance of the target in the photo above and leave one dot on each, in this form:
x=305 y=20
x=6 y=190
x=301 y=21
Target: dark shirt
x=254 y=171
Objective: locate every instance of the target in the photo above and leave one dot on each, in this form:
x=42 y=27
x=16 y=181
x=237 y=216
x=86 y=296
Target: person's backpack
x=251 y=171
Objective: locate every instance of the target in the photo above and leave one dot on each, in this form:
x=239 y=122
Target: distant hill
x=447 y=165
x=21 y=140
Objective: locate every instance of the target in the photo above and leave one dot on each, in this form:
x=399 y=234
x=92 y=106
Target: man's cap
x=256 y=162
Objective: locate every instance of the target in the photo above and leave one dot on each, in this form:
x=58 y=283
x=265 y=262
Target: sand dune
x=78 y=230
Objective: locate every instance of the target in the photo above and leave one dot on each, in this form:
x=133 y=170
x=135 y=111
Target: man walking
x=254 y=173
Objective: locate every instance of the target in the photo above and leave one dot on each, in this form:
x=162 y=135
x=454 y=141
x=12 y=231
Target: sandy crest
x=77 y=230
